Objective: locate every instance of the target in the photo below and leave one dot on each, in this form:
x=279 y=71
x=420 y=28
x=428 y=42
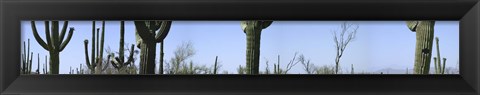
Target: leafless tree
x=342 y=38
x=307 y=66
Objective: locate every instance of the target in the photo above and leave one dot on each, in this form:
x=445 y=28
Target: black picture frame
x=13 y=11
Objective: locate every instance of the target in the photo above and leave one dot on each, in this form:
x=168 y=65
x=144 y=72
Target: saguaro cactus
x=215 y=66
x=95 y=65
x=38 y=63
x=45 y=68
x=119 y=62
x=253 y=31
x=439 y=69
x=55 y=42
x=423 y=49
x=146 y=41
x=26 y=59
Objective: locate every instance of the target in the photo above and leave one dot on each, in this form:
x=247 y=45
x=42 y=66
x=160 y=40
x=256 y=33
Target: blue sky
x=379 y=44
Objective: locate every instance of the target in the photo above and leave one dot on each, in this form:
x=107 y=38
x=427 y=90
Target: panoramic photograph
x=257 y=47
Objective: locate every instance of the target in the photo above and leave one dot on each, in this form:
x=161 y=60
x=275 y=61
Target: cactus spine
x=253 y=31
x=423 y=50
x=439 y=69
x=119 y=62
x=55 y=42
x=26 y=59
x=146 y=41
x=95 y=65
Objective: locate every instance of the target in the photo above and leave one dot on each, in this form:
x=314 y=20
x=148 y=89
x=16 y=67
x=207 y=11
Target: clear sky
x=379 y=44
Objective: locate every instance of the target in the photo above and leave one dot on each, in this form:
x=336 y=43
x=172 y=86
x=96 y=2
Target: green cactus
x=55 y=42
x=119 y=62
x=439 y=69
x=38 y=64
x=26 y=59
x=423 y=50
x=215 y=66
x=45 y=68
x=253 y=31
x=95 y=65
x=146 y=41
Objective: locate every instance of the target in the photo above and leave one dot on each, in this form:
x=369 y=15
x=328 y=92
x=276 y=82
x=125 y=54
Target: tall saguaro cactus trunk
x=96 y=65
x=146 y=41
x=253 y=31
x=26 y=59
x=439 y=68
x=55 y=42
x=423 y=49
x=119 y=62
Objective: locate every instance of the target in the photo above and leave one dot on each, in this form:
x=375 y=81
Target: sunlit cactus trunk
x=253 y=30
x=146 y=41
x=55 y=42
x=439 y=68
x=423 y=49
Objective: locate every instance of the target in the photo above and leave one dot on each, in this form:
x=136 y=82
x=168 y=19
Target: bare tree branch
x=341 y=40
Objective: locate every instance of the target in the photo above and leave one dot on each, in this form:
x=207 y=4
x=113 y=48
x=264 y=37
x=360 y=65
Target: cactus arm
x=55 y=39
x=108 y=62
x=130 y=56
x=122 y=35
x=438 y=65
x=412 y=25
x=444 y=62
x=24 y=61
x=30 y=63
x=164 y=29
x=138 y=39
x=64 y=29
x=93 y=43
x=97 y=50
x=265 y=24
x=69 y=37
x=47 y=36
x=114 y=62
x=86 y=54
x=142 y=30
x=38 y=63
x=102 y=41
x=29 y=57
x=243 y=25
x=153 y=25
x=37 y=37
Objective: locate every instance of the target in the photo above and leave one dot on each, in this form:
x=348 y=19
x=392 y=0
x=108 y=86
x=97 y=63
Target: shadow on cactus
x=146 y=41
